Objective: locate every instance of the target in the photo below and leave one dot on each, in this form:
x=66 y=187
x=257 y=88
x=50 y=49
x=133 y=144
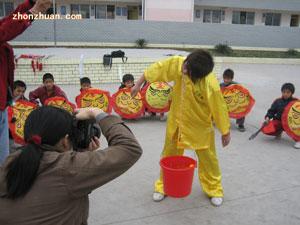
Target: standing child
x=228 y=76
x=273 y=116
x=47 y=90
x=197 y=102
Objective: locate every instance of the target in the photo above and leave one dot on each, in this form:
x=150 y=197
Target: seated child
x=127 y=81
x=85 y=84
x=19 y=90
x=18 y=94
x=47 y=90
x=273 y=116
x=228 y=80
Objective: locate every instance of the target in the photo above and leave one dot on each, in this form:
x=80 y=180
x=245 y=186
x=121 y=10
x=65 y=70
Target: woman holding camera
x=47 y=183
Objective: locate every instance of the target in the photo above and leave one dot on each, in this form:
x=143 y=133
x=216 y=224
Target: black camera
x=83 y=132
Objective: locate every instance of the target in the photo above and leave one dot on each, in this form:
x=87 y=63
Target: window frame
x=238 y=14
x=220 y=17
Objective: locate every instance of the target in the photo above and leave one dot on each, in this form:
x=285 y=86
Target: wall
x=66 y=71
x=171 y=10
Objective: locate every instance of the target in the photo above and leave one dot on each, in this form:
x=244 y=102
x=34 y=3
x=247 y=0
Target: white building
x=250 y=12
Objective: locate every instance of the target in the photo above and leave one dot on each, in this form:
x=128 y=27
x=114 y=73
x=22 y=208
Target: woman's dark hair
x=228 y=74
x=288 y=86
x=19 y=83
x=199 y=64
x=127 y=77
x=85 y=80
x=47 y=76
x=47 y=124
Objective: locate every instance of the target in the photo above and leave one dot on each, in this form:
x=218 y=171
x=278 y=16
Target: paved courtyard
x=261 y=178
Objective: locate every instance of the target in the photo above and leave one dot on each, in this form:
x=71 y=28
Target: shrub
x=292 y=52
x=141 y=43
x=223 y=49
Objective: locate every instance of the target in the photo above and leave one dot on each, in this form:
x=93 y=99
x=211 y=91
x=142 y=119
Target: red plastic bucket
x=178 y=173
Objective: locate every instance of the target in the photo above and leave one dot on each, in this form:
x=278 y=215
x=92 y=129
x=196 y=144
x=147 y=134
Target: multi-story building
x=250 y=12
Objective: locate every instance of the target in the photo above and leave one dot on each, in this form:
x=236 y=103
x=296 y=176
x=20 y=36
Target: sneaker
x=216 y=201
x=241 y=128
x=157 y=197
x=297 y=145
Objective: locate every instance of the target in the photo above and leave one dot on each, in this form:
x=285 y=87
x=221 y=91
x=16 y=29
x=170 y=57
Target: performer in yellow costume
x=197 y=103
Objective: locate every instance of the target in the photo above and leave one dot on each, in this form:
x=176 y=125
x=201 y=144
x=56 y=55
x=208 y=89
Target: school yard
x=261 y=178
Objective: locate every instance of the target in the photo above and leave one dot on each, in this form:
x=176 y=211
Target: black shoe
x=241 y=128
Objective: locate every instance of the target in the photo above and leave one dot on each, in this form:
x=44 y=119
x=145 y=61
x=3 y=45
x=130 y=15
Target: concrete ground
x=261 y=178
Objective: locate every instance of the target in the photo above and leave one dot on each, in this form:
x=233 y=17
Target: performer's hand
x=225 y=139
x=87 y=113
x=134 y=90
x=41 y=6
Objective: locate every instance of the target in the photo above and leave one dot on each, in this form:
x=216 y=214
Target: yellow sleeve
x=218 y=106
x=166 y=70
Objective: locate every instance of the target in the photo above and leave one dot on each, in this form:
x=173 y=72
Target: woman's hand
x=87 y=113
x=41 y=6
x=94 y=145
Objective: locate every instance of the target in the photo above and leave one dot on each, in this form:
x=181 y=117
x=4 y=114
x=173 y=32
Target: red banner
x=157 y=97
x=291 y=120
x=126 y=106
x=94 y=98
x=17 y=115
x=238 y=99
x=60 y=102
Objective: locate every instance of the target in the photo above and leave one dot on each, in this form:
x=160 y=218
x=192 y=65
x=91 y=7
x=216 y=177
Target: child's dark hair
x=19 y=83
x=127 y=77
x=228 y=74
x=288 y=86
x=47 y=76
x=47 y=124
x=199 y=64
x=85 y=80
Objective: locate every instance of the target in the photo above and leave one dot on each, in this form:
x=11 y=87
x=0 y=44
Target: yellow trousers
x=208 y=168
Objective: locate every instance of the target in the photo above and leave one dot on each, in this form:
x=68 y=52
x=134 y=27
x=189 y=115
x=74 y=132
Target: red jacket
x=41 y=94
x=9 y=29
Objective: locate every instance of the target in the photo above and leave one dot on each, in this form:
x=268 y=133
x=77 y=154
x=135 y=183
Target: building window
x=197 y=13
x=213 y=16
x=84 y=10
x=121 y=11
x=100 y=12
x=272 y=19
x=294 y=21
x=63 y=10
x=241 y=17
x=110 y=12
x=74 y=9
x=6 y=8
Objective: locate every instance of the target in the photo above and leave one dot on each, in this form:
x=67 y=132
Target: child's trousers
x=208 y=168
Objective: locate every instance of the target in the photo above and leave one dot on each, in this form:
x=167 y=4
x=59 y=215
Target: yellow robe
x=194 y=107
